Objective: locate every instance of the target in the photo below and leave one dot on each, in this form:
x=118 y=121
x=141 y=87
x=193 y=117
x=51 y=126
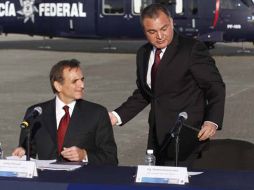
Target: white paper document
x=48 y=164
x=162 y=174
x=56 y=166
x=16 y=158
x=18 y=168
x=194 y=173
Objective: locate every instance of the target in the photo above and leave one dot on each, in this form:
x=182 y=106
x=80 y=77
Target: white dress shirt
x=150 y=64
x=60 y=111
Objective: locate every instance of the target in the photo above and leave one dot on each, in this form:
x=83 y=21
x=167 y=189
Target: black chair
x=226 y=154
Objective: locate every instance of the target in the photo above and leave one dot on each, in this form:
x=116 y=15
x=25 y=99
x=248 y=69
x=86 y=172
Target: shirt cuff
x=85 y=159
x=119 y=121
x=213 y=123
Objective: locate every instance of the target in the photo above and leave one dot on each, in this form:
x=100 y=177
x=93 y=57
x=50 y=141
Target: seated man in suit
x=69 y=128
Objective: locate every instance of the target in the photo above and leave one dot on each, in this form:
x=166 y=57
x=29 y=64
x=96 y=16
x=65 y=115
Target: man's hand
x=74 y=153
x=19 y=151
x=208 y=130
x=113 y=118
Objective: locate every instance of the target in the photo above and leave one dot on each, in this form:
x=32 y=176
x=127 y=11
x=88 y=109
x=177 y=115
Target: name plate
x=162 y=174
x=18 y=168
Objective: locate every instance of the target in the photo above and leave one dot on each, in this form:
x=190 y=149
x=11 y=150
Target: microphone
x=179 y=123
x=174 y=132
x=182 y=117
x=32 y=115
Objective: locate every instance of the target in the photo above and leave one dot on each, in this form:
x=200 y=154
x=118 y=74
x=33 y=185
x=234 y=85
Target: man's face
x=159 y=31
x=72 y=87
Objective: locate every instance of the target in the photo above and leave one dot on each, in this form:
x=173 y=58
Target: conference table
x=123 y=178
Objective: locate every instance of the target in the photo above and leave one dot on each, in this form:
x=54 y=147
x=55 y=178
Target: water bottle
x=150 y=158
x=1 y=151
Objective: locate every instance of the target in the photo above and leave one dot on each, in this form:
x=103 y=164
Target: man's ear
x=171 y=22
x=58 y=86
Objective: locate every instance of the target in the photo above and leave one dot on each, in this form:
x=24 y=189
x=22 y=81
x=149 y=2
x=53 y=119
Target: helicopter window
x=179 y=7
x=113 y=7
x=171 y=2
x=139 y=5
x=194 y=7
x=165 y=1
x=226 y=4
x=248 y=3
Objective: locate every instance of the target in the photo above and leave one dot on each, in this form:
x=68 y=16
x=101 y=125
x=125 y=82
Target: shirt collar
x=60 y=104
x=162 y=50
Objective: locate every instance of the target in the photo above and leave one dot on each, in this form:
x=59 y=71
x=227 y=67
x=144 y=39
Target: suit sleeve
x=106 y=150
x=138 y=100
x=132 y=106
x=208 y=78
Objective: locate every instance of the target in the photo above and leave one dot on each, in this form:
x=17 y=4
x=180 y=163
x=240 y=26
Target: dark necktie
x=63 y=125
x=155 y=66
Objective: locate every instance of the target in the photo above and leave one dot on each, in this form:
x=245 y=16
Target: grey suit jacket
x=89 y=128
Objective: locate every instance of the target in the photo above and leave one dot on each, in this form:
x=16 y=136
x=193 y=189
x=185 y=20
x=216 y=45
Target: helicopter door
x=136 y=7
x=185 y=14
x=113 y=18
x=191 y=12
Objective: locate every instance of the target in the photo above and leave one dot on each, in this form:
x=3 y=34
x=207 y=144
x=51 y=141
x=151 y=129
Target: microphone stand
x=177 y=150
x=175 y=134
x=28 y=144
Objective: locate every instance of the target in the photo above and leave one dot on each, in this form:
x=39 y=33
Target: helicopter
x=210 y=21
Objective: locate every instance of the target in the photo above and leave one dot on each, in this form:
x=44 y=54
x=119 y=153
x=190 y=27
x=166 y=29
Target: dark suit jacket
x=187 y=80
x=89 y=129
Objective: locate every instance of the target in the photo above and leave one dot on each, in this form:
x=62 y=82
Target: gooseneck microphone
x=178 y=124
x=176 y=132
x=182 y=117
x=180 y=121
x=31 y=116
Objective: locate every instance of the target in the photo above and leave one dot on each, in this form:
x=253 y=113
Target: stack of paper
x=48 y=164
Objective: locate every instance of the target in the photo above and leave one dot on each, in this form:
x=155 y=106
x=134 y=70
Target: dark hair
x=56 y=73
x=152 y=11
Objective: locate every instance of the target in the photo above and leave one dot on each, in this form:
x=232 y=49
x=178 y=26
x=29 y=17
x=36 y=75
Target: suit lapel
x=170 y=51
x=143 y=67
x=50 y=120
x=75 y=117
x=168 y=57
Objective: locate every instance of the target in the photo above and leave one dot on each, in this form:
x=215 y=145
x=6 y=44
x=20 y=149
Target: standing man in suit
x=87 y=135
x=185 y=80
